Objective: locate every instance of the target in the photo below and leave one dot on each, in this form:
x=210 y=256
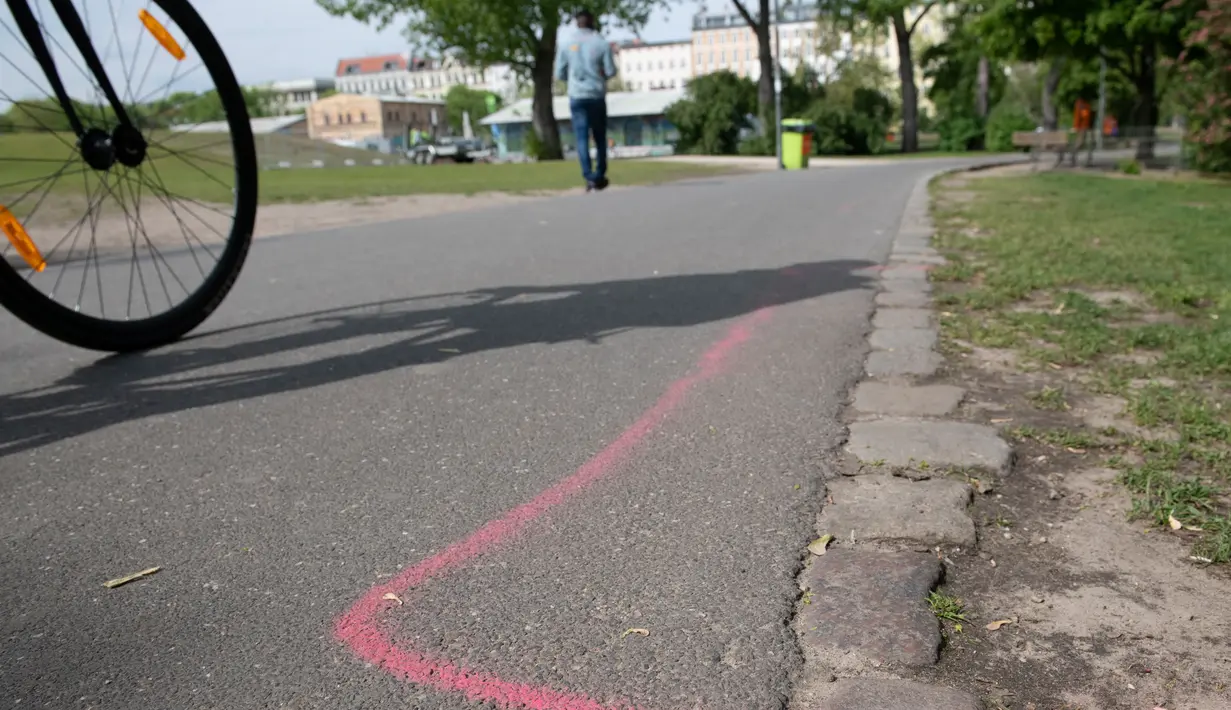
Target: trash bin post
x=796 y=143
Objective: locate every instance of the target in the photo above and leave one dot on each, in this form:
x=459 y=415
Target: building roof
x=300 y=85
x=619 y=105
x=729 y=16
x=409 y=99
x=371 y=65
x=388 y=98
x=259 y=125
x=642 y=44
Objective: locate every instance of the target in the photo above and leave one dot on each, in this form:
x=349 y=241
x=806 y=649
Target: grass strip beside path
x=1126 y=281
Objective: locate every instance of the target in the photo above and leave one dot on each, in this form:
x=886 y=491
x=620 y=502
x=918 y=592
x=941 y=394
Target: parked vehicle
x=458 y=150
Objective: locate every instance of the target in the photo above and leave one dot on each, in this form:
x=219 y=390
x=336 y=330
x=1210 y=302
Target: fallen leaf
x=113 y=583
x=1001 y=421
x=639 y=632
x=1072 y=450
x=1054 y=366
x=392 y=597
x=817 y=547
x=1175 y=524
x=995 y=625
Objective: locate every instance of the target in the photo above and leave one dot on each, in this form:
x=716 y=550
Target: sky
x=272 y=40
x=265 y=40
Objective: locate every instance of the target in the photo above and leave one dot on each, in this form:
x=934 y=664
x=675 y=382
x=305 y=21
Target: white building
x=652 y=66
x=722 y=40
x=296 y=95
x=426 y=78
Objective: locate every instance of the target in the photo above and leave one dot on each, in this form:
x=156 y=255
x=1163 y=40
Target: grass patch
x=199 y=166
x=1128 y=280
x=1051 y=398
x=947 y=608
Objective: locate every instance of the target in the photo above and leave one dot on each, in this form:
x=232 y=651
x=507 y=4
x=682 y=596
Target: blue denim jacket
x=586 y=63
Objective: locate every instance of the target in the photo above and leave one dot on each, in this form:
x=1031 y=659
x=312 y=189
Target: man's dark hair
x=585 y=19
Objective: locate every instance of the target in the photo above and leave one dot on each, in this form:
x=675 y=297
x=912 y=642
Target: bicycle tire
x=58 y=321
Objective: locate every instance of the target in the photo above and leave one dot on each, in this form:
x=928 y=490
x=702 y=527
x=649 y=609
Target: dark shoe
x=601 y=183
x=589 y=186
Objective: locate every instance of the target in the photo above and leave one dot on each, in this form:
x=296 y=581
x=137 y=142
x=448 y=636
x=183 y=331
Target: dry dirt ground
x=169 y=224
x=1105 y=613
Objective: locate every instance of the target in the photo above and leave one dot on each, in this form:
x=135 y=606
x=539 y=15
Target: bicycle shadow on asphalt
x=429 y=329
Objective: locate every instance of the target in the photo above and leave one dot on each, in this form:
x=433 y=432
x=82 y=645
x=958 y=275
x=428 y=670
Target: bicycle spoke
x=185 y=230
x=91 y=205
x=181 y=153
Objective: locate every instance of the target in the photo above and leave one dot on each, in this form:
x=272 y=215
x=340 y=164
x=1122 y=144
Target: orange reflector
x=162 y=35
x=21 y=240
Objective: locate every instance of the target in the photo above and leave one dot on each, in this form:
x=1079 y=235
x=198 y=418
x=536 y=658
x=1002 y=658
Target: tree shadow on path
x=428 y=329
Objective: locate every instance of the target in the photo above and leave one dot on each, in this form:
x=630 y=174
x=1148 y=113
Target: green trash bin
x=796 y=143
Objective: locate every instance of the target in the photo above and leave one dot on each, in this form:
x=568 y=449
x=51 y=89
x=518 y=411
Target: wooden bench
x=1043 y=142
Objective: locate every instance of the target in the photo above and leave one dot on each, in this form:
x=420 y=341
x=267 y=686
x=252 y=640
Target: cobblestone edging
x=865 y=625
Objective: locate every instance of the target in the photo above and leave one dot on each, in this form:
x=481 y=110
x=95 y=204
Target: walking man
x=585 y=62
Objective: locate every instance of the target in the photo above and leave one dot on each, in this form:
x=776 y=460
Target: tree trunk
x=543 y=114
x=981 y=98
x=906 y=75
x=1145 y=117
x=765 y=84
x=1050 y=120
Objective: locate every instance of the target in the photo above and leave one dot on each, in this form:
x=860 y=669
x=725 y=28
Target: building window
x=340 y=119
x=348 y=118
x=326 y=117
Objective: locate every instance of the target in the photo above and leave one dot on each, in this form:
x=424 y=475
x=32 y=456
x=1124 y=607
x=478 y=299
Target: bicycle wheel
x=120 y=251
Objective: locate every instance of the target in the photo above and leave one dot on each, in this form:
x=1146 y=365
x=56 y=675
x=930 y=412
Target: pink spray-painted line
x=360 y=629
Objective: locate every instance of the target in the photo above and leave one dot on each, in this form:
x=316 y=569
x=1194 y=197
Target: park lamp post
x=778 y=89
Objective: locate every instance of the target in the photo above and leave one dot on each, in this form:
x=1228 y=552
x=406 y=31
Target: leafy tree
x=1204 y=81
x=964 y=85
x=463 y=99
x=520 y=33
x=1131 y=35
x=713 y=113
x=894 y=13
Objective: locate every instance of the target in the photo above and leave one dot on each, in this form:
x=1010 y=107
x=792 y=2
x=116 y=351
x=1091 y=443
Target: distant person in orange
x=1083 y=117
x=1111 y=127
x=1083 y=122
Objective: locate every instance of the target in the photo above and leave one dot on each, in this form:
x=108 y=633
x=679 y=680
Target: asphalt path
x=450 y=462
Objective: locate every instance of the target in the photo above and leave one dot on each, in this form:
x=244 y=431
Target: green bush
x=716 y=109
x=855 y=129
x=758 y=145
x=1129 y=167
x=1005 y=120
x=960 y=132
x=534 y=145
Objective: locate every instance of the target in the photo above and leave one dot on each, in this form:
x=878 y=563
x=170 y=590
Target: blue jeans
x=590 y=118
